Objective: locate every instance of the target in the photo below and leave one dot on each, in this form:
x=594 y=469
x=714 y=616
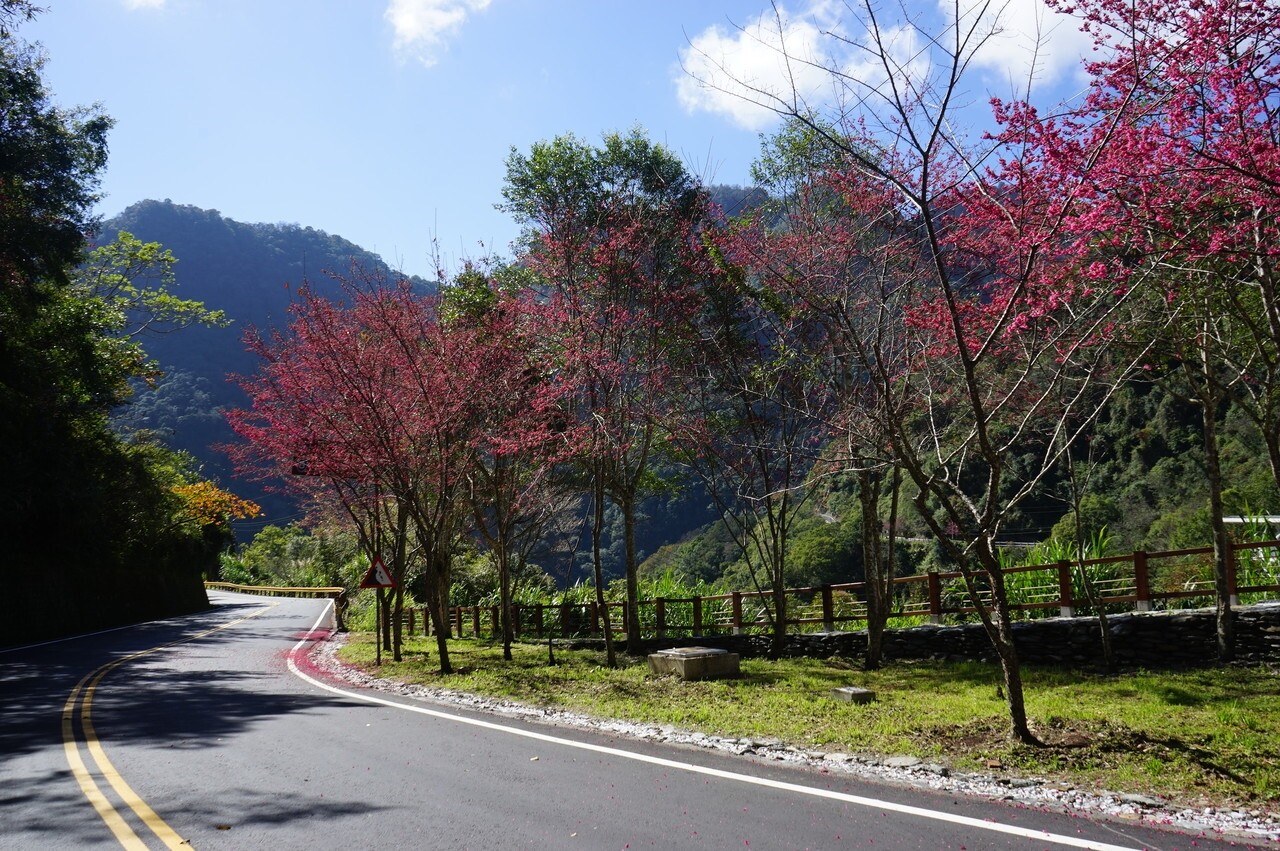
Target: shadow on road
x=187 y=694
x=59 y=819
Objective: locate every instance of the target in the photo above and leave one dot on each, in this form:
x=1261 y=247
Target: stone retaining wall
x=1176 y=639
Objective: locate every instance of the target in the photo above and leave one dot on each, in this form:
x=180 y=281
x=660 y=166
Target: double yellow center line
x=81 y=699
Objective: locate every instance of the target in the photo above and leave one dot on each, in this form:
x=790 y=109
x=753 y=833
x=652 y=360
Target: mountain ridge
x=250 y=271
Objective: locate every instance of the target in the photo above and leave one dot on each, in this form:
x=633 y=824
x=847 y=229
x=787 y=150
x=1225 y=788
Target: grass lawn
x=1202 y=738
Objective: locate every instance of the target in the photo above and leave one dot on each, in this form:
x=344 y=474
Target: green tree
x=126 y=546
x=614 y=232
x=50 y=159
x=296 y=556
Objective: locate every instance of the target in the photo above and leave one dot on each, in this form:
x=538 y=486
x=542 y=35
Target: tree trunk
x=1104 y=625
x=998 y=623
x=877 y=575
x=596 y=527
x=778 y=639
x=1221 y=540
x=397 y=628
x=1271 y=439
x=438 y=605
x=1012 y=672
x=440 y=623
x=440 y=620
x=504 y=600
x=1010 y=667
x=1090 y=593
x=628 y=507
x=400 y=568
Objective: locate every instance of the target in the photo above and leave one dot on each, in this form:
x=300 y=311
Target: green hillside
x=250 y=272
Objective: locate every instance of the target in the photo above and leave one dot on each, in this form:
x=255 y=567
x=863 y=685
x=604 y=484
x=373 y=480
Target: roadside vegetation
x=1198 y=738
x=114 y=525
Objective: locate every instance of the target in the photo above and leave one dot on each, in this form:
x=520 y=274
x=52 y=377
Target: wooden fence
x=1141 y=581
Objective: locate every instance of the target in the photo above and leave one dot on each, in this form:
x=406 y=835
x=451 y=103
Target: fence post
x=697 y=616
x=1141 y=581
x=537 y=620
x=564 y=620
x=457 y=617
x=660 y=614
x=737 y=613
x=411 y=621
x=1066 y=602
x=935 y=597
x=515 y=620
x=828 y=609
x=475 y=620
x=594 y=608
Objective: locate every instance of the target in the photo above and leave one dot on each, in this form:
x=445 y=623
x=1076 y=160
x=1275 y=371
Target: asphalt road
x=202 y=732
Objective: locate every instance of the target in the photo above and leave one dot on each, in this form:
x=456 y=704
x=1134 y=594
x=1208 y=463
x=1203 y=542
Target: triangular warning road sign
x=378 y=576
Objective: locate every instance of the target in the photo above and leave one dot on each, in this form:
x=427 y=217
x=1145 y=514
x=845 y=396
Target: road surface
x=202 y=732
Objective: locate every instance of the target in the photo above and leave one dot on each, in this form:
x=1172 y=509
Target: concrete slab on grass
x=853 y=694
x=694 y=663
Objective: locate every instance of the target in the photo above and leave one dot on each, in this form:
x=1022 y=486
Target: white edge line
x=873 y=803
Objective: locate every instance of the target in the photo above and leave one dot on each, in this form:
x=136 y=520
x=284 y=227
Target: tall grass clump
x=1031 y=587
x=1257 y=566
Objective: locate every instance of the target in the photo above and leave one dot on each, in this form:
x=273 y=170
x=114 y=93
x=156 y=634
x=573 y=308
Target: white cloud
x=737 y=72
x=423 y=27
x=131 y=5
x=1031 y=38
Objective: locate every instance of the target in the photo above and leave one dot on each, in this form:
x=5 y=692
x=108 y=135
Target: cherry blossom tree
x=380 y=398
x=825 y=269
x=998 y=339
x=749 y=422
x=517 y=486
x=614 y=233
x=1185 y=94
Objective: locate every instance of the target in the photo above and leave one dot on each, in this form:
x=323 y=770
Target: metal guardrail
x=275 y=590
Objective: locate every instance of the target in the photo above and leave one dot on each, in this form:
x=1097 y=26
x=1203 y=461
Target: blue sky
x=388 y=122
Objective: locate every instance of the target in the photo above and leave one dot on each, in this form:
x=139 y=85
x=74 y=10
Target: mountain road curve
x=213 y=731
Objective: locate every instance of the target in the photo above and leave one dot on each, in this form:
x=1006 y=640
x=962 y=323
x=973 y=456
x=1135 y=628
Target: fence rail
x=1142 y=581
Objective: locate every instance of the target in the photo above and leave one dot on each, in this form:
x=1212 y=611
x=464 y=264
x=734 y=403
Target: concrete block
x=694 y=663
x=853 y=694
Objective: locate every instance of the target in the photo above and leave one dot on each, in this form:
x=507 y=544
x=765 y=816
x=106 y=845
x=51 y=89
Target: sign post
x=380 y=578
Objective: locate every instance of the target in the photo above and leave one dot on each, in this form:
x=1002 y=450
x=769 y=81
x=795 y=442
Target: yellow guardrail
x=274 y=590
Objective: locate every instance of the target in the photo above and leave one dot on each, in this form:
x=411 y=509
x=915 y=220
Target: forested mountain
x=250 y=272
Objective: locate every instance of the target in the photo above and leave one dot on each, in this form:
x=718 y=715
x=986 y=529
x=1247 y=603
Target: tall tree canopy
x=114 y=529
x=50 y=159
x=614 y=234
